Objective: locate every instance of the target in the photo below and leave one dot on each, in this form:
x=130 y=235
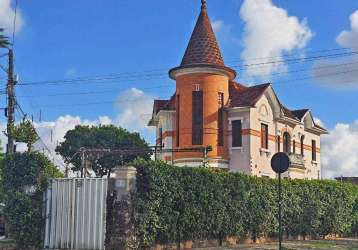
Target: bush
x=177 y=204
x=25 y=177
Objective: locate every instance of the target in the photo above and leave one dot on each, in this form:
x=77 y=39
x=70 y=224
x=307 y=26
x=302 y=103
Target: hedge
x=24 y=210
x=177 y=204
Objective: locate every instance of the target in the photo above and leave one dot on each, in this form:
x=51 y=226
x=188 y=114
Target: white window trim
x=230 y=123
x=265 y=121
x=236 y=148
x=236 y=119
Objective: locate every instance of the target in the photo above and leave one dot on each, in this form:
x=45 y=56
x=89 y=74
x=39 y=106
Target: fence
x=75 y=214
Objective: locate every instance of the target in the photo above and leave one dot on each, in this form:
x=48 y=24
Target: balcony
x=297 y=161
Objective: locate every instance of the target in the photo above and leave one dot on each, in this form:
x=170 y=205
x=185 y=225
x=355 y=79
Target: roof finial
x=203 y=4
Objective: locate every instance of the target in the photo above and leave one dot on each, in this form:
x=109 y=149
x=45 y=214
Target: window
x=314 y=151
x=278 y=143
x=286 y=143
x=220 y=119
x=264 y=136
x=177 y=120
x=197 y=118
x=302 y=145
x=294 y=146
x=236 y=133
x=160 y=137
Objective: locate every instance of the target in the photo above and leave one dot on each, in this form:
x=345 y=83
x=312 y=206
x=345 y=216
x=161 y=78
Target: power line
x=318 y=76
x=144 y=77
x=309 y=69
x=138 y=99
x=292 y=54
x=91 y=92
x=168 y=85
x=40 y=139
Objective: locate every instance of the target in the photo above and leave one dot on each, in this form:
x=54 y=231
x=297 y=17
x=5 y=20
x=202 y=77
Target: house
x=245 y=126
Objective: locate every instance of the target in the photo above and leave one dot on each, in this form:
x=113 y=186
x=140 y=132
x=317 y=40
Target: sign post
x=280 y=163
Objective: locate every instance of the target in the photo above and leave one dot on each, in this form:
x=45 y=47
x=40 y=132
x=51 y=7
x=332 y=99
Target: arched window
x=302 y=145
x=286 y=143
x=294 y=146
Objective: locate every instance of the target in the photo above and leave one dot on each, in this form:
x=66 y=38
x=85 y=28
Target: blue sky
x=70 y=39
x=65 y=39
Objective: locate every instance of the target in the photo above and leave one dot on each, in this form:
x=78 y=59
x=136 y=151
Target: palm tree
x=4 y=41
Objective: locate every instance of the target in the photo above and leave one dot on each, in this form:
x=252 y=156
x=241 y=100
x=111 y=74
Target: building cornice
x=197 y=69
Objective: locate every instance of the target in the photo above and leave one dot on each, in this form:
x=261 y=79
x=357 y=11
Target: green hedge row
x=177 y=204
x=24 y=178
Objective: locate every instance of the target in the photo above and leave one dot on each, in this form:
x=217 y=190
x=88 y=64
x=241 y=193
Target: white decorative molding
x=240 y=118
x=241 y=149
x=200 y=69
x=265 y=151
x=265 y=121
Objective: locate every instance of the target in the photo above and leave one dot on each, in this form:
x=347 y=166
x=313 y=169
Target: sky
x=103 y=62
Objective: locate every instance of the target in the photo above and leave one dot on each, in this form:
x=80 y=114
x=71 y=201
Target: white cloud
x=349 y=39
x=223 y=32
x=7 y=14
x=318 y=122
x=134 y=107
x=342 y=73
x=52 y=133
x=269 y=34
x=339 y=151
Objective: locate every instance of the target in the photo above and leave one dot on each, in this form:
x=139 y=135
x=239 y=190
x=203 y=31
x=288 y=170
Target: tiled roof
x=164 y=105
x=288 y=113
x=158 y=105
x=299 y=113
x=242 y=96
x=318 y=126
x=203 y=48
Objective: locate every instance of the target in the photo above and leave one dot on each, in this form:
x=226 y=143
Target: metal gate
x=75 y=214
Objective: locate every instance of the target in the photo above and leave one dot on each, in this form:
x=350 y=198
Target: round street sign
x=280 y=162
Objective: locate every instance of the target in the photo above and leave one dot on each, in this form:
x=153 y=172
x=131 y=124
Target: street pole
x=279 y=212
x=10 y=103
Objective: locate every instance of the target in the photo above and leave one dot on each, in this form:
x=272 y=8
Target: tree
x=25 y=132
x=4 y=41
x=100 y=137
x=25 y=177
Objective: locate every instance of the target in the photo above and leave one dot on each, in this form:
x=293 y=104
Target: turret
x=202 y=91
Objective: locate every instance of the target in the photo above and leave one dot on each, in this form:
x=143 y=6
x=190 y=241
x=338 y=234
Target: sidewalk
x=337 y=244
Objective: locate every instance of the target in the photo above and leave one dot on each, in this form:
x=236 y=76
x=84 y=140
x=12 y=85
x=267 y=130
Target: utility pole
x=10 y=103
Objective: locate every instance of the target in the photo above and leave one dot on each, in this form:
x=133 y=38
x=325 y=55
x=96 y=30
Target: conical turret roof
x=203 y=47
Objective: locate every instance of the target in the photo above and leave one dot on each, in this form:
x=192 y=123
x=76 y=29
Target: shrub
x=25 y=177
x=177 y=204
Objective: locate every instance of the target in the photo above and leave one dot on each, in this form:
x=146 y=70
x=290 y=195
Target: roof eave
x=231 y=74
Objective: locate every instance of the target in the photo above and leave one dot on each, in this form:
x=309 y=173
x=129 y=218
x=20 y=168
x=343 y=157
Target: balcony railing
x=297 y=161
